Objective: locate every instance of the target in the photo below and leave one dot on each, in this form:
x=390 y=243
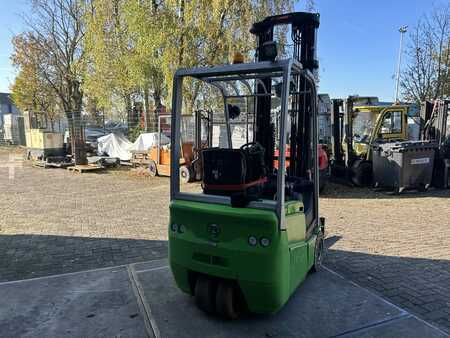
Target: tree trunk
x=75 y=124
x=148 y=117
x=131 y=120
x=182 y=21
x=156 y=111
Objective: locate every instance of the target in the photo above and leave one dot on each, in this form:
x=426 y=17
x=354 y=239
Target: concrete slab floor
x=326 y=305
x=141 y=300
x=98 y=303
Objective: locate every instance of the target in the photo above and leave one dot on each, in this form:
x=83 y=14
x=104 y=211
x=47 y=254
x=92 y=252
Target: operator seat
x=230 y=171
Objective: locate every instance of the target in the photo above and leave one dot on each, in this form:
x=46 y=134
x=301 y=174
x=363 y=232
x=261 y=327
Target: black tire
x=205 y=292
x=228 y=300
x=422 y=188
x=362 y=174
x=319 y=252
x=197 y=168
x=185 y=174
x=323 y=180
x=153 y=169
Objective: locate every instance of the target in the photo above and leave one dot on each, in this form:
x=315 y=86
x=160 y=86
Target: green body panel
x=295 y=222
x=267 y=276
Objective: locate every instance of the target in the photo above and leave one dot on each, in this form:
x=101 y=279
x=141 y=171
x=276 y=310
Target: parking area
x=54 y=222
x=140 y=300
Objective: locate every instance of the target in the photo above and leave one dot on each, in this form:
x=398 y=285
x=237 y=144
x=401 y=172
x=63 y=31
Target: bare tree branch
x=426 y=75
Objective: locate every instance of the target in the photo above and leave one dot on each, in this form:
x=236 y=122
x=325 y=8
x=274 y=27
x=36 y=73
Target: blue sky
x=358 y=43
x=11 y=24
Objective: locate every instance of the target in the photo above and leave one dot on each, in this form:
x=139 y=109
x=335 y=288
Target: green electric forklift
x=249 y=236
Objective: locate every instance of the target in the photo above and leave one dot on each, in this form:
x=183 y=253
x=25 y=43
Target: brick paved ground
x=53 y=222
x=398 y=246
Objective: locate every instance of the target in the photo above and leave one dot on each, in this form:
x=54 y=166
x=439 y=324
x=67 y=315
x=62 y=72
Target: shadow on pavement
x=29 y=256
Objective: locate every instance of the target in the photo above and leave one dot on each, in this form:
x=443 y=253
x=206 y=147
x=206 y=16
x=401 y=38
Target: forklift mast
x=348 y=127
x=342 y=127
x=434 y=123
x=303 y=33
x=336 y=130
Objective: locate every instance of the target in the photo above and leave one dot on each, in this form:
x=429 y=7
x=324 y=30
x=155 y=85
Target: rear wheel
x=152 y=168
x=229 y=303
x=362 y=174
x=205 y=292
x=319 y=251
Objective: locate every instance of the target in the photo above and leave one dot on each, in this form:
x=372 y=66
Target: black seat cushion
x=223 y=166
x=226 y=171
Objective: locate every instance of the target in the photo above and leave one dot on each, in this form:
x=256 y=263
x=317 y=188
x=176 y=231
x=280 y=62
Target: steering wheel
x=248 y=147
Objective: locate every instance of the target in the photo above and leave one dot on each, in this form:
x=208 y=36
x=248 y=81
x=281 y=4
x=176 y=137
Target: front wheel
x=319 y=251
x=229 y=303
x=152 y=168
x=205 y=294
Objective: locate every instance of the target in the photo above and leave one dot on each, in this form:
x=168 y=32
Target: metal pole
x=158 y=149
x=402 y=31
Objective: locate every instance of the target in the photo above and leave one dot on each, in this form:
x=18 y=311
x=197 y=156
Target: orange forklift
x=158 y=158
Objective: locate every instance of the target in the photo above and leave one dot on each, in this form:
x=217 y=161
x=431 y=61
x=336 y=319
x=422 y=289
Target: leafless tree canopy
x=426 y=75
x=311 y=5
x=56 y=26
x=56 y=32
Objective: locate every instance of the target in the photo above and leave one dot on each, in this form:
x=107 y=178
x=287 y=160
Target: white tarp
x=146 y=141
x=115 y=145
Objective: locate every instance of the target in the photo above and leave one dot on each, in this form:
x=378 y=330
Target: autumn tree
x=108 y=55
x=54 y=46
x=157 y=37
x=145 y=20
x=30 y=91
x=446 y=71
x=208 y=32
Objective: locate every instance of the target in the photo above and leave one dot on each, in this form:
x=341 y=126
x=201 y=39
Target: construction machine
x=42 y=143
x=357 y=124
x=196 y=130
x=249 y=237
x=435 y=127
